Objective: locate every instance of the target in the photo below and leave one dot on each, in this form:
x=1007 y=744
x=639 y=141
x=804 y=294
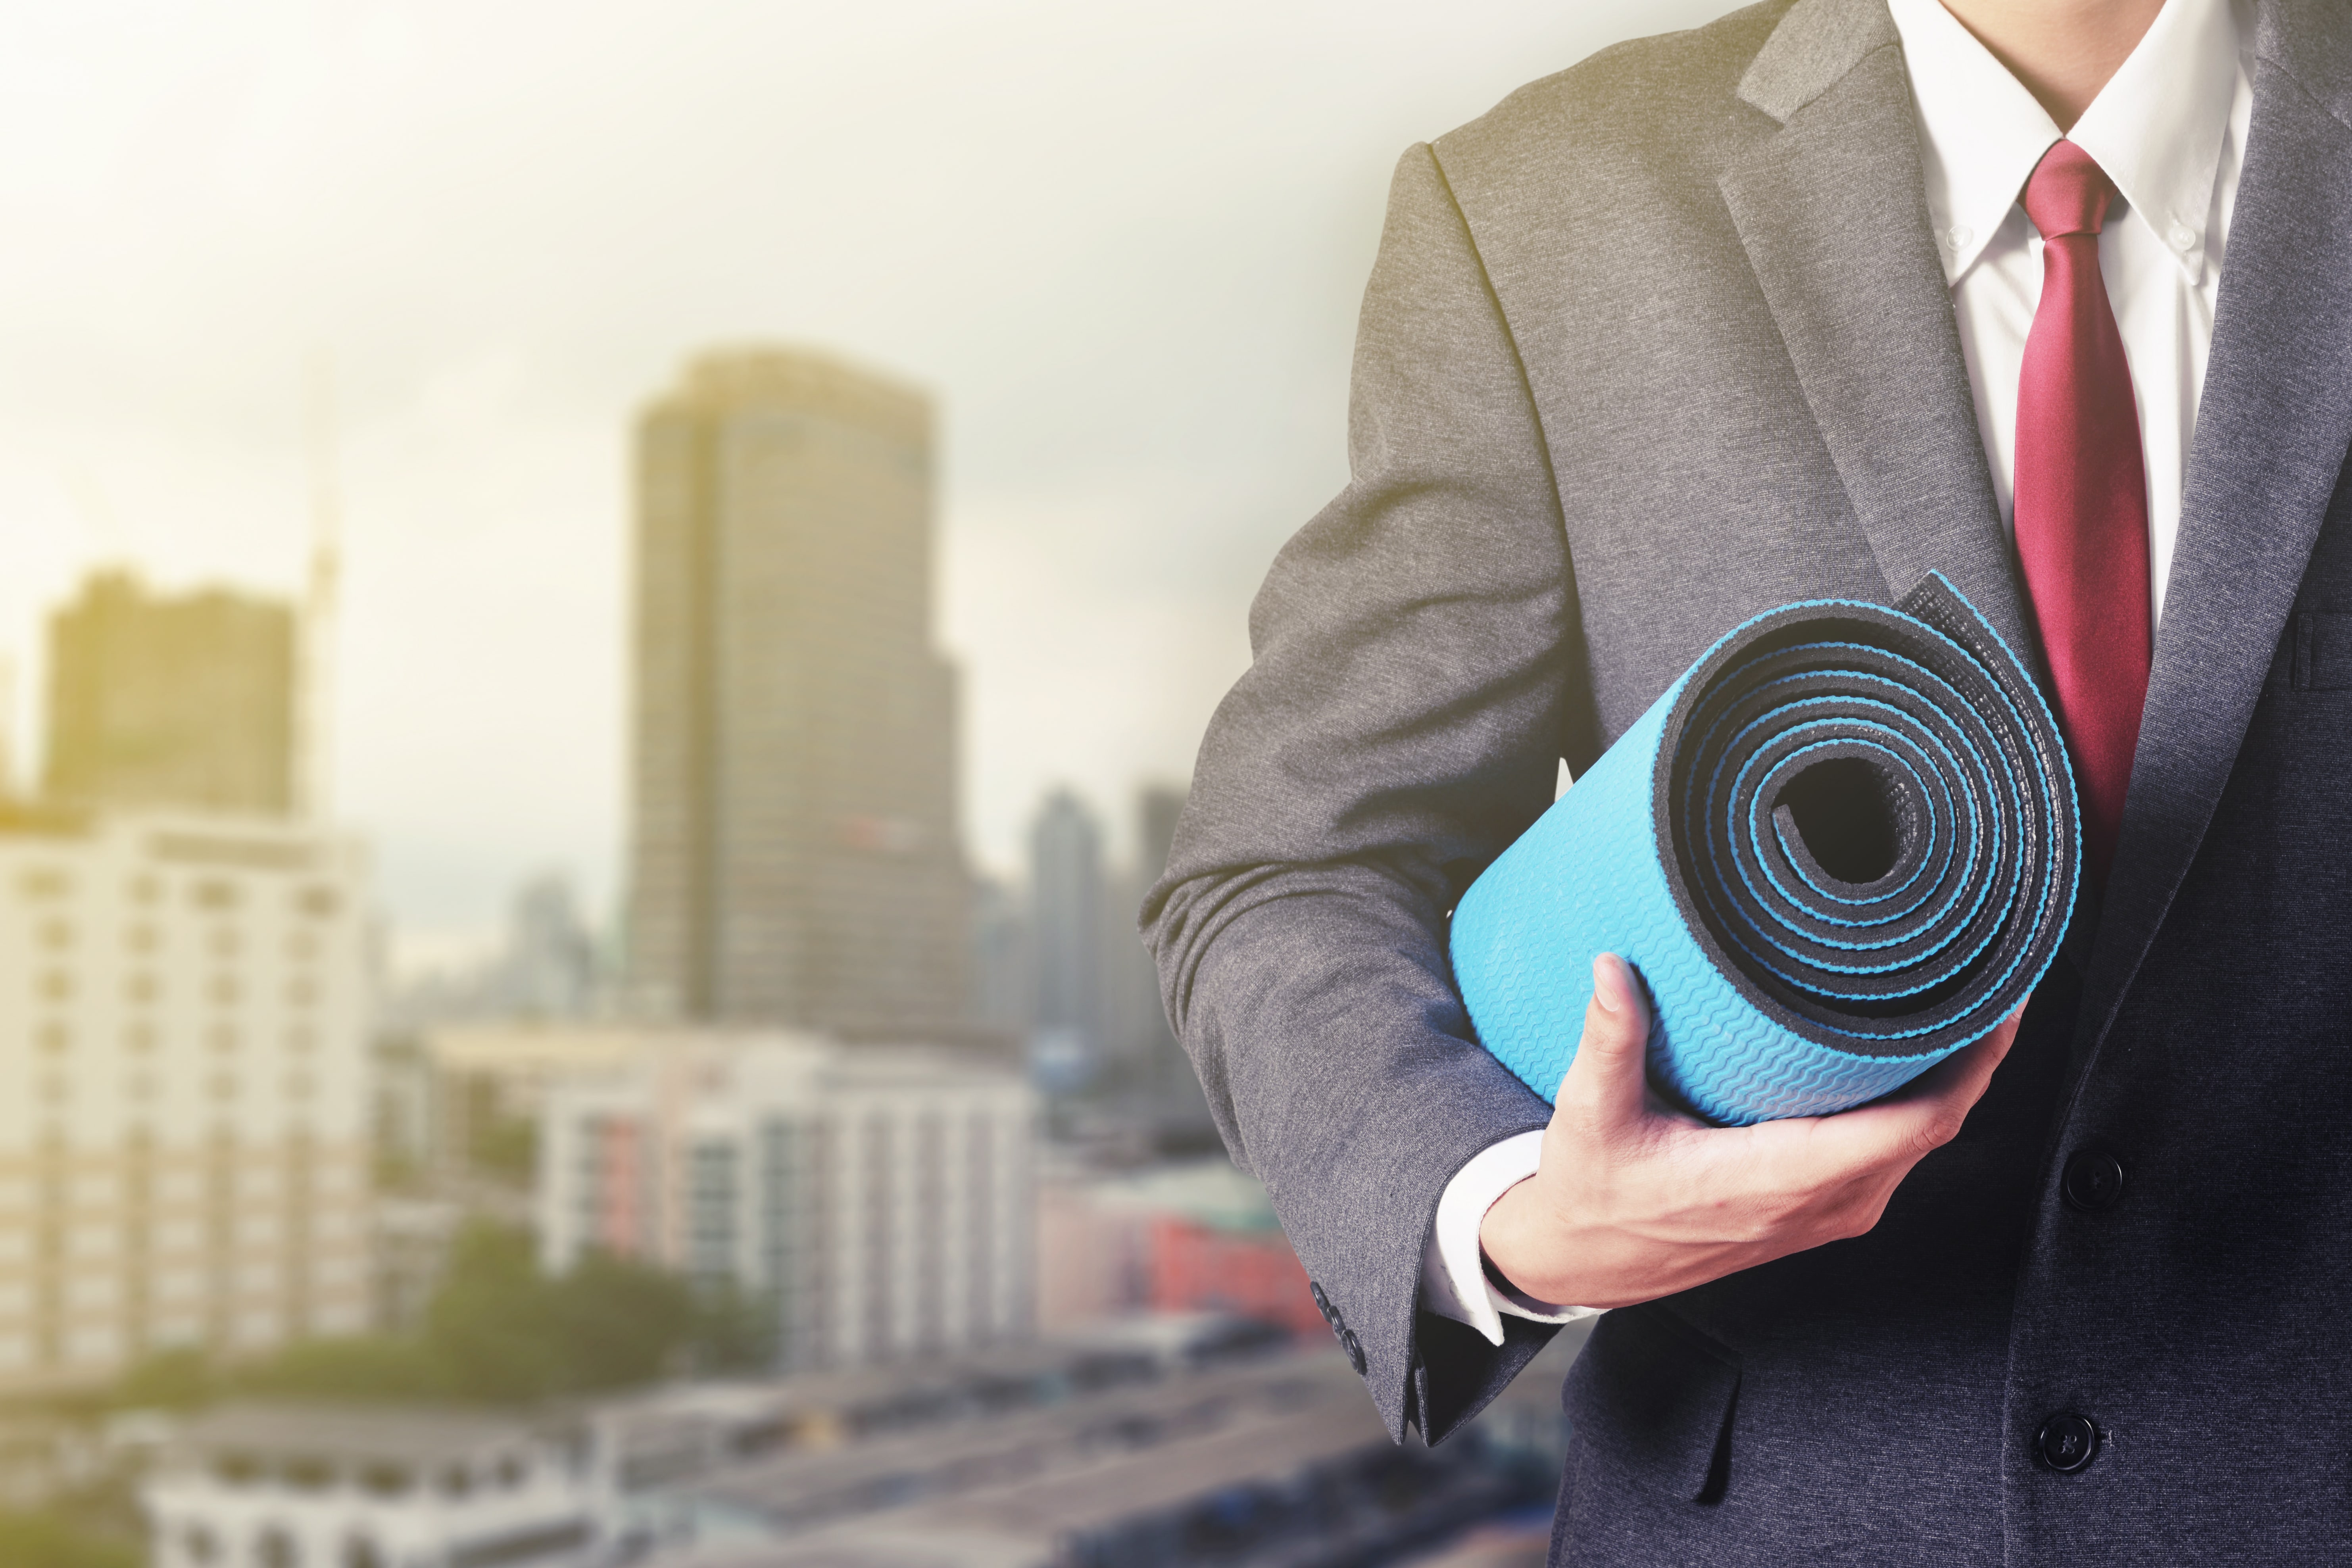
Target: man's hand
x=1635 y=1200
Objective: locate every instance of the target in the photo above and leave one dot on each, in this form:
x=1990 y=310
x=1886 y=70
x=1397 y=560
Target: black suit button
x=1340 y=1329
x=2093 y=1182
x=2067 y=1442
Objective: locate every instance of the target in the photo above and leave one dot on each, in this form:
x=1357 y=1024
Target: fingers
x=1925 y=1113
x=1962 y=1078
x=1605 y=1081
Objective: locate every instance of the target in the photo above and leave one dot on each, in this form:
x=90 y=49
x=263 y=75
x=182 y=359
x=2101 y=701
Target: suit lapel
x=2270 y=444
x=1833 y=212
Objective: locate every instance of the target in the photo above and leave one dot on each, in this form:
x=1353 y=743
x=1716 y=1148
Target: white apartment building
x=182 y=1102
x=879 y=1199
x=309 y=1486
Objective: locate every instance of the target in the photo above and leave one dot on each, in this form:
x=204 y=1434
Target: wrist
x=1502 y=1250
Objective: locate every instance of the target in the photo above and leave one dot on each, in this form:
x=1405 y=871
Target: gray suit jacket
x=1659 y=343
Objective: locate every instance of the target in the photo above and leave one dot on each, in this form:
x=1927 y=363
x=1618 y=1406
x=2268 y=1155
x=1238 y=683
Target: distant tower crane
x=314 y=717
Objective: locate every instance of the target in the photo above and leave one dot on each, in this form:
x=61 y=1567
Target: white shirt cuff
x=1454 y=1282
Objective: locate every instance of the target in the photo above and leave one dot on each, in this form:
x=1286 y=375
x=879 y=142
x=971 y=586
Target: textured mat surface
x=1842 y=847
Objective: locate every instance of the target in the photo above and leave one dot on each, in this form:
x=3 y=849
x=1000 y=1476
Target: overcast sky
x=1122 y=245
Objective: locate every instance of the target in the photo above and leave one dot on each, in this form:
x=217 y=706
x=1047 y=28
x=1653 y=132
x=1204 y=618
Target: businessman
x=2053 y=297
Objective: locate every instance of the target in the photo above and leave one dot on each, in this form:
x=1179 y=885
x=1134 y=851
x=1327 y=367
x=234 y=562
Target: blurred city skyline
x=1122 y=251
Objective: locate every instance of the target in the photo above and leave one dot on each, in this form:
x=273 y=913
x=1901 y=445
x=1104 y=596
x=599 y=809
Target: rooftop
x=1303 y=1471
x=328 y=1432
x=803 y=1488
x=802 y=378
x=1022 y=1525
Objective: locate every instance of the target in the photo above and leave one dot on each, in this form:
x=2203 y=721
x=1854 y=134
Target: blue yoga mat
x=1842 y=847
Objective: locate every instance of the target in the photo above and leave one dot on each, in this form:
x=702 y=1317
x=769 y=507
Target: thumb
x=1606 y=1080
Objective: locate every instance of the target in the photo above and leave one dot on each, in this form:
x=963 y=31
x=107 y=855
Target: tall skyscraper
x=1002 y=987
x=1169 y=1092
x=1066 y=920
x=550 y=961
x=1144 y=1031
x=179 y=702
x=794 y=858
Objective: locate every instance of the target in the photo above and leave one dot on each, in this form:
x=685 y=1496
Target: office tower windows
x=876 y=1202
x=177 y=1185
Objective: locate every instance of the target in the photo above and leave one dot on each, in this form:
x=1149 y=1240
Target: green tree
x=363 y=1367
x=41 y=1541
x=734 y=1330
x=490 y=1324
x=502 y=1331
x=619 y=1322
x=166 y=1380
x=498 y=1331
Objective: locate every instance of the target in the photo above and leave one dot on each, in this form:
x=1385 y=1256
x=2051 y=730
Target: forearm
x=1415 y=683
x=1340 y=1066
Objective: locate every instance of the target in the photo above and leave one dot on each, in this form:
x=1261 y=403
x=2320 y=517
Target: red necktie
x=2081 y=496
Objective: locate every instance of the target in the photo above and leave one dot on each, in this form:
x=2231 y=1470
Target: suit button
x=2067 y=1442
x=1322 y=1302
x=1355 y=1350
x=2093 y=1182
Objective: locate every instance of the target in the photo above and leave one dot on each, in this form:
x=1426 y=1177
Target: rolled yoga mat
x=1842 y=847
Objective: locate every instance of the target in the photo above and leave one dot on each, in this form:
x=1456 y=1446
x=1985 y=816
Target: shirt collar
x=2156 y=128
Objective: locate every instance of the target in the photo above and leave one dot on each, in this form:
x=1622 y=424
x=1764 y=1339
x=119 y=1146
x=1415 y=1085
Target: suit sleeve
x=1416 y=675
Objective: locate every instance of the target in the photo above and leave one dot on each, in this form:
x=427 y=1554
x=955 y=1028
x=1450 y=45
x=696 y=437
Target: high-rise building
x=180 y=702
x=794 y=858
x=1157 y=809
x=548 y=968
x=1168 y=1097
x=1143 y=1024
x=878 y=1202
x=1067 y=916
x=183 y=1107
x=1001 y=985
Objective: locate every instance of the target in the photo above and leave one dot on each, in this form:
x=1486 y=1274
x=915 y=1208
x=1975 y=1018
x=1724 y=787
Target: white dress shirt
x=2169 y=129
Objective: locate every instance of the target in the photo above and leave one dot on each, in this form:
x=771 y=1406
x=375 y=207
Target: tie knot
x=2067 y=192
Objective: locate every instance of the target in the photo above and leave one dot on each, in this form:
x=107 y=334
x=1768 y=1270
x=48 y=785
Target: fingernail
x=1604 y=986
